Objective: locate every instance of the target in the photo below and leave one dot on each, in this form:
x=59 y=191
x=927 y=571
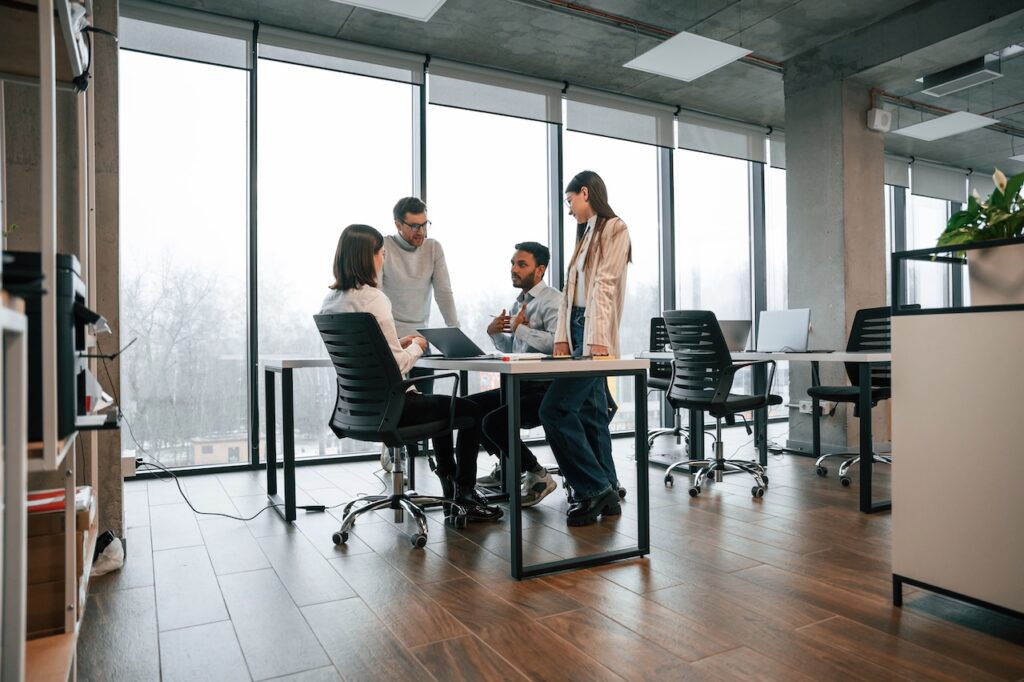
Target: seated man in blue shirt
x=528 y=328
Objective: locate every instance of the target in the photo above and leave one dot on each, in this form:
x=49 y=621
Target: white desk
x=512 y=373
x=863 y=359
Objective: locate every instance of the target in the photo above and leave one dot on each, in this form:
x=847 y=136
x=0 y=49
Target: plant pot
x=996 y=275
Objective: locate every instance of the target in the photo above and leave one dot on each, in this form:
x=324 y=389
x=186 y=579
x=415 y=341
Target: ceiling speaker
x=879 y=120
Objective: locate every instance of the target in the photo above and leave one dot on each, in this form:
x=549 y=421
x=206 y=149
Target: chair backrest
x=701 y=354
x=370 y=394
x=871 y=331
x=659 y=369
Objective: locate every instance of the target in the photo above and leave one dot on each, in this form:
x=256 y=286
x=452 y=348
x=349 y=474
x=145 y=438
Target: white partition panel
x=958 y=458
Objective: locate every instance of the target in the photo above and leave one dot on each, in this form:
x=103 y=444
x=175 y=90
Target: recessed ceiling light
x=686 y=57
x=421 y=10
x=945 y=126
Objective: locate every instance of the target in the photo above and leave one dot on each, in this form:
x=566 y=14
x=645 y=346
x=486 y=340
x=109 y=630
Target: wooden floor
x=792 y=586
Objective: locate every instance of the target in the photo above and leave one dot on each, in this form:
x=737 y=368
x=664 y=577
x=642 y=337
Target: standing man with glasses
x=415 y=268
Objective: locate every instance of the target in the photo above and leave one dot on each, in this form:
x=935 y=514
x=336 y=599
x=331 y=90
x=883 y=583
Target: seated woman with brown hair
x=357 y=265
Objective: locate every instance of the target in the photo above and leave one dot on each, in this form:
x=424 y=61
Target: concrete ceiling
x=532 y=37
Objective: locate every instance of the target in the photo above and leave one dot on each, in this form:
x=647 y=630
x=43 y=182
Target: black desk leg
x=696 y=435
x=268 y=384
x=288 y=432
x=867 y=456
x=512 y=467
x=643 y=489
x=463 y=383
x=761 y=415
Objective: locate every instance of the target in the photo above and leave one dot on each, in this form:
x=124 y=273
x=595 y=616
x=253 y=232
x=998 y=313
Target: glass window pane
x=777 y=269
x=183 y=234
x=487 y=192
x=334 y=149
x=712 y=204
x=927 y=283
x=630 y=172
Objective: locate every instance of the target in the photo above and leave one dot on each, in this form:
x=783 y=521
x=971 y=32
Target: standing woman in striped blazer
x=575 y=411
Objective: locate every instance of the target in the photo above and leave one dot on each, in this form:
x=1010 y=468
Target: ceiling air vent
x=962 y=76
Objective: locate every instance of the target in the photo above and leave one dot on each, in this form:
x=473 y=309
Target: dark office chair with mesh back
x=871 y=332
x=659 y=378
x=702 y=378
x=371 y=395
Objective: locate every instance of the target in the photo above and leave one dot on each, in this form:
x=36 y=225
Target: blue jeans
x=574 y=413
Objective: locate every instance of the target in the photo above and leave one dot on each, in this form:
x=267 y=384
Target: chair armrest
x=729 y=374
x=441 y=375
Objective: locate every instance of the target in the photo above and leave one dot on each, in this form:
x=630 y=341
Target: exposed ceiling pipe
x=637 y=27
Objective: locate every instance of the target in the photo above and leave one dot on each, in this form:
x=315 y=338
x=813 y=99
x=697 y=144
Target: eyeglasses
x=568 y=202
x=416 y=227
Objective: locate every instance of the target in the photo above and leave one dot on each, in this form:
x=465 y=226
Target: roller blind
x=897 y=171
x=598 y=113
x=496 y=92
x=777 y=150
x=185 y=34
x=938 y=182
x=339 y=55
x=711 y=135
x=982 y=183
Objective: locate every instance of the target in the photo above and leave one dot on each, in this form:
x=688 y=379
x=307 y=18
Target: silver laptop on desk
x=454 y=344
x=783 y=330
x=736 y=333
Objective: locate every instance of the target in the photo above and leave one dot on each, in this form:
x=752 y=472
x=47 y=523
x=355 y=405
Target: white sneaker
x=536 y=487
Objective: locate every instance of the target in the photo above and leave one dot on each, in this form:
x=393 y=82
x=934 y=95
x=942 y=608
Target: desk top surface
x=483 y=365
x=838 y=356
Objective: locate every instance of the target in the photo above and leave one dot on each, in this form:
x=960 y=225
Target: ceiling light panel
x=946 y=126
x=421 y=10
x=686 y=57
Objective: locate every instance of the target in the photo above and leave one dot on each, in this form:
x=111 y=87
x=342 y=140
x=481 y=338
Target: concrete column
x=836 y=233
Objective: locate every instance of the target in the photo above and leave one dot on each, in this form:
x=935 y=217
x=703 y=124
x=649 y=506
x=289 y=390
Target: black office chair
x=371 y=395
x=659 y=378
x=702 y=378
x=871 y=332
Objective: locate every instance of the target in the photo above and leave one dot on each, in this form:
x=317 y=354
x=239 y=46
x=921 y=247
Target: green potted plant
x=996 y=274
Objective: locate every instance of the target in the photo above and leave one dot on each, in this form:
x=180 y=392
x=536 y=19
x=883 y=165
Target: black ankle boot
x=586 y=510
x=476 y=507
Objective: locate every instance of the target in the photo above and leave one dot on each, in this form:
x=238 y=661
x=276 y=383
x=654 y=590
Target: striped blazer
x=605 y=275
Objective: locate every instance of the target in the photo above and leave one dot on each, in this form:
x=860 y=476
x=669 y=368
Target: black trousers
x=460 y=461
x=494 y=431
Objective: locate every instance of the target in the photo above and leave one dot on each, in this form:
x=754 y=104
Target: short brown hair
x=353 y=259
x=408 y=205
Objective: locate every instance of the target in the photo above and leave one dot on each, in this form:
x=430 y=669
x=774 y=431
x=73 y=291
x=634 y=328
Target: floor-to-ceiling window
x=630 y=173
x=334 y=149
x=776 y=267
x=927 y=283
x=487 y=192
x=183 y=176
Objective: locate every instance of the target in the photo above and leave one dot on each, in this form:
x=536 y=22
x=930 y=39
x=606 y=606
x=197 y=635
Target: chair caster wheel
x=821 y=471
x=757 y=491
x=765 y=479
x=340 y=538
x=669 y=481
x=418 y=541
x=845 y=480
x=385 y=459
x=695 y=491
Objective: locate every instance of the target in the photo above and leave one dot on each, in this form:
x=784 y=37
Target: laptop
x=454 y=344
x=736 y=333
x=783 y=330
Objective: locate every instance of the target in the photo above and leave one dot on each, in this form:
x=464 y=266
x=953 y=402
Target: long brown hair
x=353 y=259
x=597 y=197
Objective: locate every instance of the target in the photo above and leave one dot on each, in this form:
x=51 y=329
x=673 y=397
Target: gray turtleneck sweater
x=408 y=277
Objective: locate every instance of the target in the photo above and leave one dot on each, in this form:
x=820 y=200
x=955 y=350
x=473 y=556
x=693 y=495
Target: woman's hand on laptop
x=407 y=341
x=561 y=348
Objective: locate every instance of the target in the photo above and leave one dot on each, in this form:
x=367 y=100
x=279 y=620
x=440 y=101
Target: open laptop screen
x=783 y=330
